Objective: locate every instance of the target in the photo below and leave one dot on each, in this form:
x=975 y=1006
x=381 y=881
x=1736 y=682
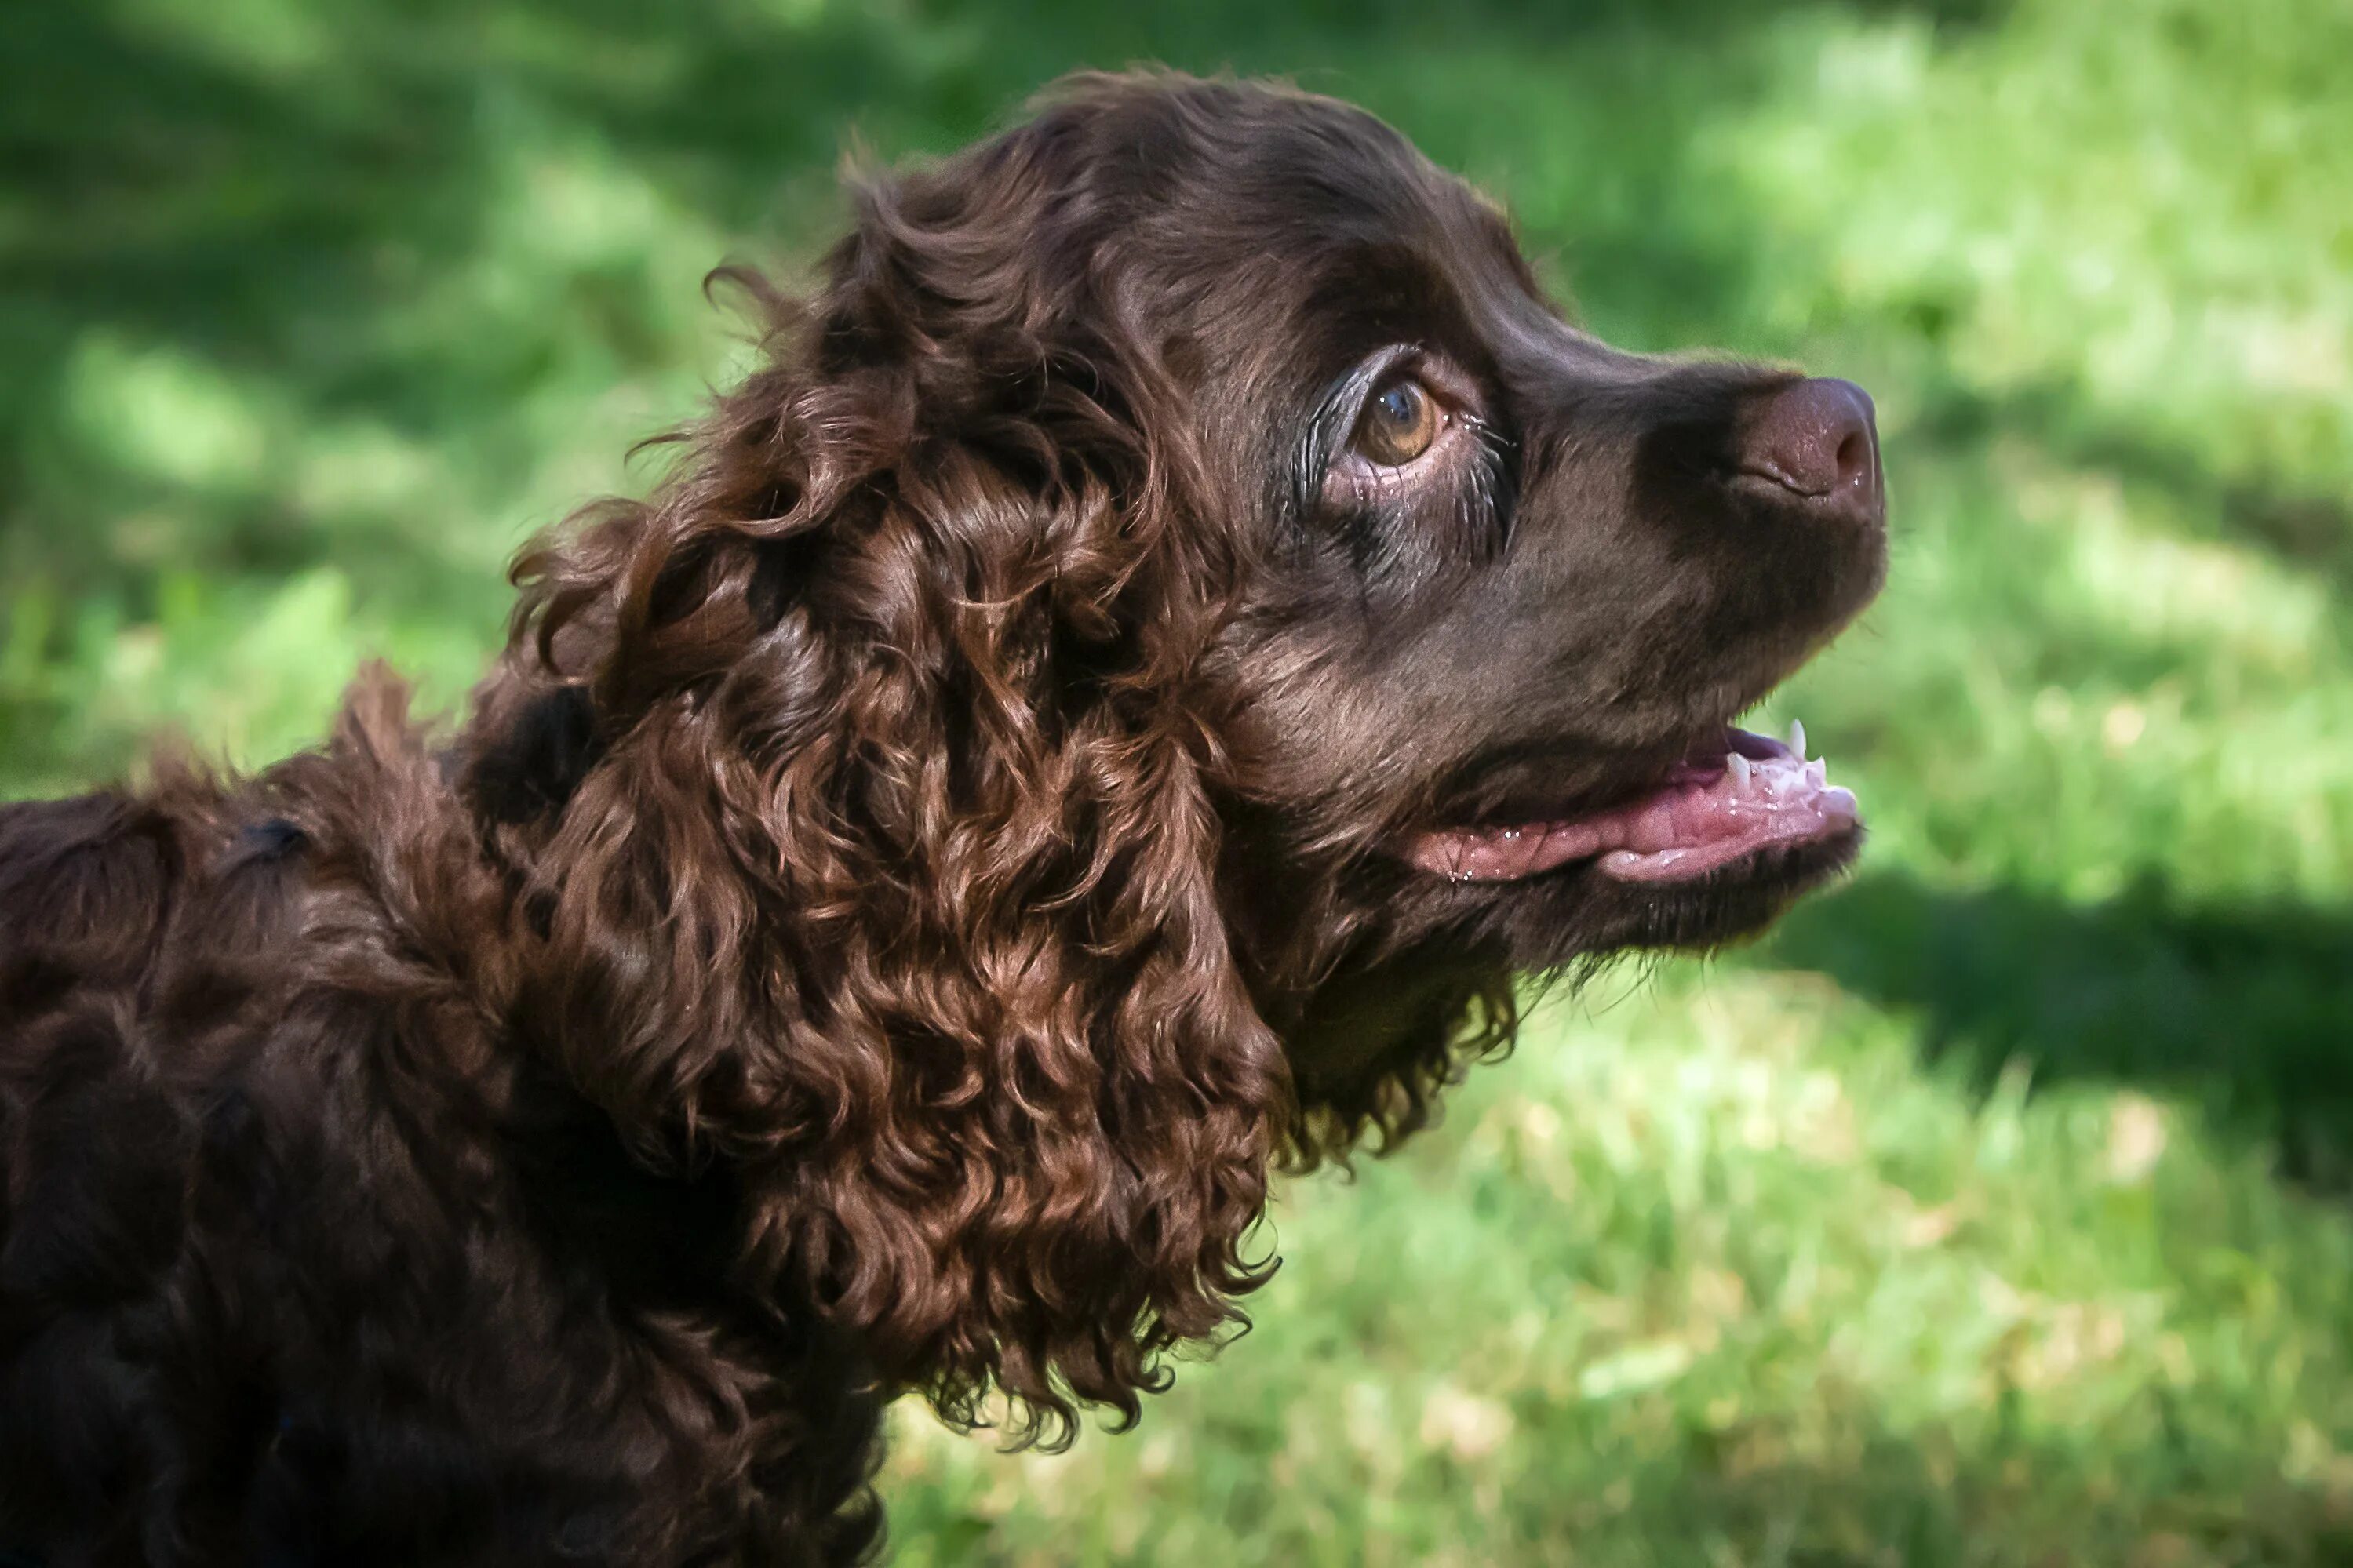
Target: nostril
x=1853 y=458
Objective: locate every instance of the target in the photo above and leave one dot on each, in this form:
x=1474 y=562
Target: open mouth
x=1732 y=795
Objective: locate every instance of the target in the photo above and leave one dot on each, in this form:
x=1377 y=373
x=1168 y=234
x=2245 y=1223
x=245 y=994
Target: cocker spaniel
x=1175 y=624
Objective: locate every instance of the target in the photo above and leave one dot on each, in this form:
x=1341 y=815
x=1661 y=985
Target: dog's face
x=1514 y=585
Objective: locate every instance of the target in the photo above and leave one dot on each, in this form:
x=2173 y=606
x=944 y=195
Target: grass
x=1992 y=1213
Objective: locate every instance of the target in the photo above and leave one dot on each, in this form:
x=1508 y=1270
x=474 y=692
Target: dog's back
x=93 y=1163
x=302 y=1259
x=85 y=885
x=139 y=934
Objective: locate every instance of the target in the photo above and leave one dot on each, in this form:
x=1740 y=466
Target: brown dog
x=1175 y=625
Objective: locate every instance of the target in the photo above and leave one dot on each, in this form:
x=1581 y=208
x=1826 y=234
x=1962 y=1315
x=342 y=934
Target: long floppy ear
x=862 y=790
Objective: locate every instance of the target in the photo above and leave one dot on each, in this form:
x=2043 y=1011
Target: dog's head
x=1177 y=623
x=1509 y=589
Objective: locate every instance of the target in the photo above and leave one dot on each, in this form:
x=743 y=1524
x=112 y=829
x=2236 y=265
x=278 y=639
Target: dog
x=1174 y=626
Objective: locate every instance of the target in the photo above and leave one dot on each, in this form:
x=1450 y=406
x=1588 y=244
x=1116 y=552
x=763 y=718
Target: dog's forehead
x=1335 y=224
x=1319 y=183
x=1227 y=174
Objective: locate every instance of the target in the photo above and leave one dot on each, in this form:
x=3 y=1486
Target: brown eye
x=1398 y=425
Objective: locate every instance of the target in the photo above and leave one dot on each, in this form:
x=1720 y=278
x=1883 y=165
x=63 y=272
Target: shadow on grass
x=2149 y=1489
x=313 y=206
x=261 y=195
x=2246 y=1008
x=2301 y=527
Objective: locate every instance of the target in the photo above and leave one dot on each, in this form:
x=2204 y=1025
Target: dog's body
x=1178 y=625
x=306 y=1263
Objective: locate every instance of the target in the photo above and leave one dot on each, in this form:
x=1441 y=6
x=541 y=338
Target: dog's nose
x=1816 y=439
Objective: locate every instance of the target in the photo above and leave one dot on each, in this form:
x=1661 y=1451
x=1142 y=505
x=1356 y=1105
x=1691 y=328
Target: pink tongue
x=1766 y=794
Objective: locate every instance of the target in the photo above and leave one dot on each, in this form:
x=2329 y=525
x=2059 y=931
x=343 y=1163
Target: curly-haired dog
x=1175 y=624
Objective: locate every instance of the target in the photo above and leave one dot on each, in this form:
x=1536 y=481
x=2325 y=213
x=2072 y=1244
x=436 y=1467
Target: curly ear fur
x=861 y=794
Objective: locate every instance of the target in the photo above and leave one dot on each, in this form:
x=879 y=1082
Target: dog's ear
x=881 y=867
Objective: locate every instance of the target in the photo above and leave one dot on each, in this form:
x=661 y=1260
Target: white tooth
x=1798 y=738
x=1817 y=772
x=1739 y=770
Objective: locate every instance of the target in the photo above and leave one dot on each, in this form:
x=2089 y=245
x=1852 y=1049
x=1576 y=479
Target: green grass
x=1992 y=1213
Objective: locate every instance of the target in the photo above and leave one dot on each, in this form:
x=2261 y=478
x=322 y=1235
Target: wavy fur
x=903 y=888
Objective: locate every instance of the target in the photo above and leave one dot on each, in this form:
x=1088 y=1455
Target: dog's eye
x=1398 y=424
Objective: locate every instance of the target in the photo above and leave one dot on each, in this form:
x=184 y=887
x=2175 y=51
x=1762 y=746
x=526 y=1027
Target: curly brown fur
x=903 y=886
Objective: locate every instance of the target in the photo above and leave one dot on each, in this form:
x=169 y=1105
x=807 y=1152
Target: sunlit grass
x=1993 y=1214
x=1719 y=1275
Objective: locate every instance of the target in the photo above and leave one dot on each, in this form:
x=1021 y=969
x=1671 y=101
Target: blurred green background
x=1993 y=1212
